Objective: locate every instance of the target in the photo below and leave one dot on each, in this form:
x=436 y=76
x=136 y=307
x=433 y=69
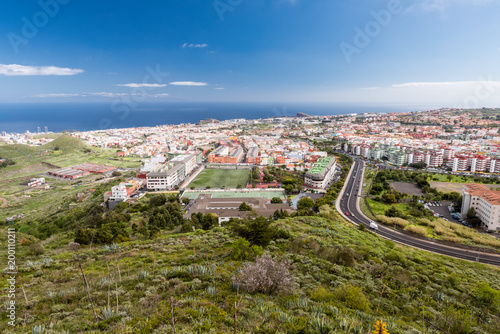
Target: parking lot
x=443 y=210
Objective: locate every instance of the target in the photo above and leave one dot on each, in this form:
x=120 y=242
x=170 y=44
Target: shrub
x=353 y=297
x=320 y=294
x=266 y=275
x=36 y=249
x=258 y=231
x=242 y=250
x=344 y=256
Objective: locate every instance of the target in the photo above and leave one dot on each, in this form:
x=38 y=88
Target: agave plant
x=164 y=272
x=317 y=310
x=302 y=303
x=202 y=270
x=103 y=281
x=320 y=325
x=38 y=329
x=191 y=269
x=143 y=274
x=108 y=313
x=211 y=290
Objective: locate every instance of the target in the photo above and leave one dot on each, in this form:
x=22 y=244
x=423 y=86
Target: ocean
x=57 y=117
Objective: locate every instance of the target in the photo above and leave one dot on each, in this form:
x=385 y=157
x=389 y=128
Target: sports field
x=218 y=178
x=237 y=193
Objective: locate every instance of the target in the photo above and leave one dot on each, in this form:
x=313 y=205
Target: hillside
x=66 y=143
x=344 y=279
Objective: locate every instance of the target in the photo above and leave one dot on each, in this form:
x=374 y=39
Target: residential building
x=167 y=177
x=253 y=156
x=320 y=173
x=189 y=160
x=485 y=201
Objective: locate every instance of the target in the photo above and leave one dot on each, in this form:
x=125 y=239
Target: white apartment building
x=485 y=201
x=321 y=173
x=187 y=159
x=166 y=178
x=118 y=193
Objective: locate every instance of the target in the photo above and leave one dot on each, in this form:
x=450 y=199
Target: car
x=373 y=225
x=347 y=213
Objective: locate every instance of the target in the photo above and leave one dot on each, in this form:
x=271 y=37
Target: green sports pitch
x=218 y=178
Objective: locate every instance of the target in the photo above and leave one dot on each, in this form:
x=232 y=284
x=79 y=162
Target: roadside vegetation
x=330 y=278
x=406 y=211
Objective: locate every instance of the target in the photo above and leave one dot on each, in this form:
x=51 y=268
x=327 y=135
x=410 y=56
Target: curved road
x=348 y=205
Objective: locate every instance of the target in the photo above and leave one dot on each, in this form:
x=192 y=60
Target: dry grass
x=458 y=233
x=416 y=229
x=393 y=221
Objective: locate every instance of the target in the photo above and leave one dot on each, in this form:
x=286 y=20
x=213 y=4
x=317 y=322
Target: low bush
x=267 y=275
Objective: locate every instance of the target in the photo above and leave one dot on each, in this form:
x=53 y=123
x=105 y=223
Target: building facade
x=320 y=173
x=485 y=201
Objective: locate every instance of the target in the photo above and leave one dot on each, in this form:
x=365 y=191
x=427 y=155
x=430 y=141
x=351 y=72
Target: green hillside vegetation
x=62 y=152
x=333 y=278
x=66 y=143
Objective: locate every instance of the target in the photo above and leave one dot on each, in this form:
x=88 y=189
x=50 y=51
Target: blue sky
x=420 y=52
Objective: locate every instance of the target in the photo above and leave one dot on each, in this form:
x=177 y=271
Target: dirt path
x=3 y=202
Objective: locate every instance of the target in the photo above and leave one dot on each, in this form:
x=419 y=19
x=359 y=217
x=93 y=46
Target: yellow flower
x=380 y=328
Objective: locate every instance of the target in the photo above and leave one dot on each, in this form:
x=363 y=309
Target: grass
x=379 y=208
x=35 y=161
x=454 y=186
x=219 y=178
x=397 y=282
x=439 y=229
x=31 y=161
x=236 y=193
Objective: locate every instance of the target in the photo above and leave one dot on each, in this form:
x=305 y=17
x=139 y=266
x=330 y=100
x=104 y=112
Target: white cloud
x=190 y=45
x=58 y=95
x=219 y=88
x=188 y=83
x=441 y=5
x=138 y=85
x=98 y=94
x=106 y=94
x=17 y=70
x=443 y=84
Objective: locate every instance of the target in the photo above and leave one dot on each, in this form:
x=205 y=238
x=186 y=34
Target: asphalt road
x=349 y=206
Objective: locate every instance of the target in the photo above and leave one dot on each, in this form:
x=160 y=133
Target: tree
x=276 y=200
x=245 y=207
x=323 y=201
x=305 y=202
x=267 y=275
x=242 y=250
x=471 y=213
x=116 y=173
x=258 y=231
x=389 y=198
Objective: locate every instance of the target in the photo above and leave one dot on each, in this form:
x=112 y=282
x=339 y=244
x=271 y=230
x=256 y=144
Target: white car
x=373 y=225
